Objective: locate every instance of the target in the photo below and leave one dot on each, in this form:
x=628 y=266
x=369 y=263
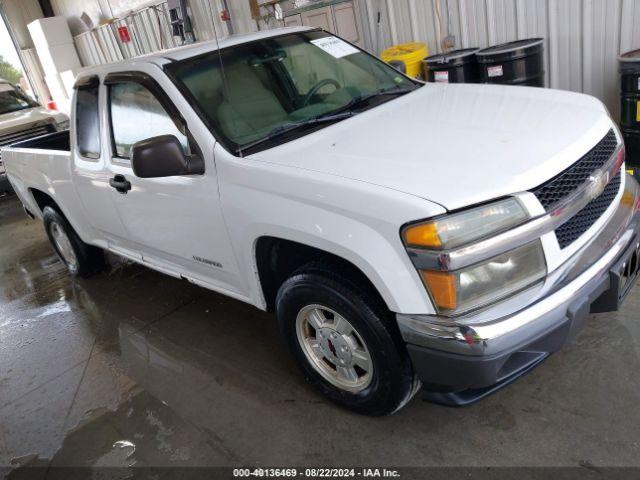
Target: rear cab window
x=88 y=118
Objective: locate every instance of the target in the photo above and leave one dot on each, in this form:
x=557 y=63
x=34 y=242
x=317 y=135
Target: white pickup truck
x=449 y=236
x=22 y=118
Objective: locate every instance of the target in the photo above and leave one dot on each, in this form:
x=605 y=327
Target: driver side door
x=176 y=222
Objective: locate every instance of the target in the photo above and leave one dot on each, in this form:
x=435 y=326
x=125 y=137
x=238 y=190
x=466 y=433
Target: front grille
x=558 y=188
x=584 y=220
x=19 y=136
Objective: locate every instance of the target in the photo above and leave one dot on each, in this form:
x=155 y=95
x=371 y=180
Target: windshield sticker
x=335 y=47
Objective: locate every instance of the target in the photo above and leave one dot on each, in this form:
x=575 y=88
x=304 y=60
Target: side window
x=88 y=121
x=136 y=115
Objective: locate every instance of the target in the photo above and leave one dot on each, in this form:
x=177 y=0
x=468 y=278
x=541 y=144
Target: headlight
x=484 y=283
x=465 y=227
x=64 y=125
x=459 y=292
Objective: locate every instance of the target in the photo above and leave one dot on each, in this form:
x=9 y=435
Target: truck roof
x=187 y=51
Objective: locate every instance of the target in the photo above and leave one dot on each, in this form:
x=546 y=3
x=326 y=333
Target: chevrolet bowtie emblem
x=597 y=183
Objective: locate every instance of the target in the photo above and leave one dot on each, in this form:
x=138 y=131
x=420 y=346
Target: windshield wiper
x=359 y=100
x=290 y=127
x=341 y=113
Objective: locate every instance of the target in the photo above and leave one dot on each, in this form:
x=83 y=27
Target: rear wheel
x=82 y=260
x=345 y=341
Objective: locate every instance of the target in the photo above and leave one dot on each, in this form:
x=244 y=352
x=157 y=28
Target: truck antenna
x=222 y=72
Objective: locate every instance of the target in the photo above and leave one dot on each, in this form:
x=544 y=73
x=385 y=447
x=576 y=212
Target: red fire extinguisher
x=123 y=33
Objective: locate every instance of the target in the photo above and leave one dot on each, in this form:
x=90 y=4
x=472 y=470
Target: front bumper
x=461 y=361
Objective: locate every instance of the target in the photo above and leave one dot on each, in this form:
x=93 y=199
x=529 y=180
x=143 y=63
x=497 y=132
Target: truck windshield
x=12 y=99
x=267 y=86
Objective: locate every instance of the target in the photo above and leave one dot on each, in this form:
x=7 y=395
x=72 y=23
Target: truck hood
x=22 y=119
x=456 y=145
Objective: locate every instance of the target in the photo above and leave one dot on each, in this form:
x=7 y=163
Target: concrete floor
x=133 y=367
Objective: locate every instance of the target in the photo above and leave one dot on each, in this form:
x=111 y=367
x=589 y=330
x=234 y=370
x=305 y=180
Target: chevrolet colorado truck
x=22 y=118
x=448 y=237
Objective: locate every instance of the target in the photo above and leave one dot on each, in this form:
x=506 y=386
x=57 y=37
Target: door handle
x=120 y=183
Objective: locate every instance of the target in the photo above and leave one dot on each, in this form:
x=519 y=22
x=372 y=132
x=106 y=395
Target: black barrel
x=458 y=66
x=514 y=63
x=630 y=104
x=630 y=89
x=632 y=146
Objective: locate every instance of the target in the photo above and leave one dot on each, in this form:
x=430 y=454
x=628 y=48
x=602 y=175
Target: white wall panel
x=205 y=15
x=149 y=29
x=472 y=24
x=601 y=48
x=129 y=49
x=35 y=74
x=501 y=21
x=630 y=27
x=109 y=44
x=73 y=9
x=89 y=49
x=20 y=13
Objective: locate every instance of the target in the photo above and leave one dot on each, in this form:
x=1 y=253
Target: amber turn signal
x=443 y=288
x=423 y=235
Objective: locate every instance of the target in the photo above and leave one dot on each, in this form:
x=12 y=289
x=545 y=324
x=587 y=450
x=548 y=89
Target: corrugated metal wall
x=583 y=37
x=150 y=31
x=149 y=28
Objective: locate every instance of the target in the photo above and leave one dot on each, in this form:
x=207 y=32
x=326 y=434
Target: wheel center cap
x=334 y=346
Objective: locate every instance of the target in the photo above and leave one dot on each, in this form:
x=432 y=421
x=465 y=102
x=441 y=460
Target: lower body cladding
x=461 y=361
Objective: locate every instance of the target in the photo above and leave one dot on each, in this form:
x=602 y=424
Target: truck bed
x=41 y=163
x=59 y=141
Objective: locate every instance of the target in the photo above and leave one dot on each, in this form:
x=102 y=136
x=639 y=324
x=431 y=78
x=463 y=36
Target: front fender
x=356 y=221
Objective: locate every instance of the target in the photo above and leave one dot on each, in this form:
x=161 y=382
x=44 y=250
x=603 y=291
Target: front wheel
x=82 y=260
x=345 y=341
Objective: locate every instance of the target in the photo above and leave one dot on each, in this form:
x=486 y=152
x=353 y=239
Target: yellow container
x=411 y=54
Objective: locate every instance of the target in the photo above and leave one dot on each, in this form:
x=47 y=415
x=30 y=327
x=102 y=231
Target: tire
x=82 y=260
x=387 y=382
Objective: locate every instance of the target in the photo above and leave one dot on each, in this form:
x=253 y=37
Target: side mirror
x=163 y=157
